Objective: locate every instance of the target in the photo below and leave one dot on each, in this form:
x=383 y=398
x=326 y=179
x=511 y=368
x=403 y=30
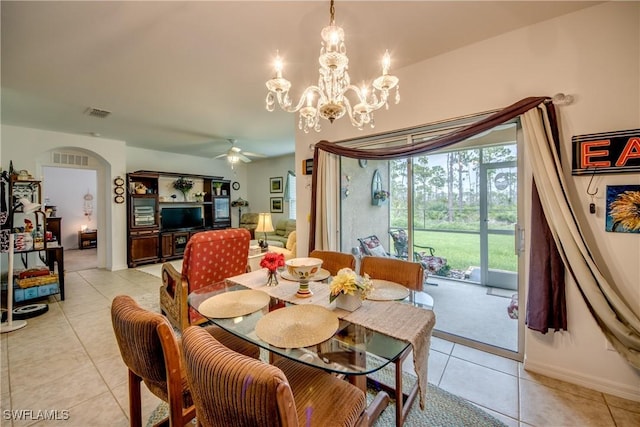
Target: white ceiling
x=185 y=76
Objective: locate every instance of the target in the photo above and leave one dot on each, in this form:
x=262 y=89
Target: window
x=290 y=194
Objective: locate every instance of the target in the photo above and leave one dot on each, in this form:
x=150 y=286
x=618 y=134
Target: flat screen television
x=181 y=218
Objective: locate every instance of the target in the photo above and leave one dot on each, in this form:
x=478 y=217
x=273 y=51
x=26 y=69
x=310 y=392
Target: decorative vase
x=349 y=302
x=184 y=194
x=272 y=278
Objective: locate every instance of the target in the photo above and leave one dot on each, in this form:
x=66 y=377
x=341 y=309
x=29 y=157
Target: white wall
x=602 y=70
x=66 y=188
x=259 y=192
x=31 y=149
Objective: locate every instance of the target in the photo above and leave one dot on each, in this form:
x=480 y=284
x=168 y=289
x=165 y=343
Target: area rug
x=156 y=269
x=443 y=409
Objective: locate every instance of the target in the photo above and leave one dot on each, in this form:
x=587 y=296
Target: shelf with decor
x=166 y=209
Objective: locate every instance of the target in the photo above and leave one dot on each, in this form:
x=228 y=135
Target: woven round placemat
x=233 y=304
x=383 y=290
x=297 y=326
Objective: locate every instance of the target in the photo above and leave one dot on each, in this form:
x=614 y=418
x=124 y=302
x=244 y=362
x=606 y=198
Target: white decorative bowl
x=303 y=268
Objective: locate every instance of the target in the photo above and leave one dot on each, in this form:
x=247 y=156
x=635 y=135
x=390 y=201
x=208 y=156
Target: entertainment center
x=165 y=209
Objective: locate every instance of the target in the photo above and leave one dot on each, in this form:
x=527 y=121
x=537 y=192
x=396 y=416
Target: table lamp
x=264 y=226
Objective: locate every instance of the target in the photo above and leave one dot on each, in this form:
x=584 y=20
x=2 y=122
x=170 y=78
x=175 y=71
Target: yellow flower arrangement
x=348 y=282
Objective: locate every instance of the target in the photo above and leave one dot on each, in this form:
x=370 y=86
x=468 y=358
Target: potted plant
x=218 y=187
x=348 y=289
x=183 y=185
x=379 y=197
x=199 y=195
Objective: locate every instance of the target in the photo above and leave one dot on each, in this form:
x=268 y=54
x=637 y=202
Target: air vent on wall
x=70 y=159
x=96 y=112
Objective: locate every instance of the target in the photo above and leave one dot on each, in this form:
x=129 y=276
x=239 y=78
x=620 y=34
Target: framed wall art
x=623 y=212
x=275 y=184
x=276 y=204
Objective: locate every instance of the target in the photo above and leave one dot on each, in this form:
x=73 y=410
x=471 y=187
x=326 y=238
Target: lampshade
x=28 y=206
x=264 y=223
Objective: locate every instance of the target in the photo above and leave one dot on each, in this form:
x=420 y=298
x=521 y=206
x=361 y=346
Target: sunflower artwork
x=623 y=208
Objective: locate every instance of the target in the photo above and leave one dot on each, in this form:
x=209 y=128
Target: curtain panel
x=557 y=246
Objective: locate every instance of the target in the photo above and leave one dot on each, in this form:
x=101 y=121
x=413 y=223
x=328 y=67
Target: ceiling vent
x=96 y=112
x=70 y=159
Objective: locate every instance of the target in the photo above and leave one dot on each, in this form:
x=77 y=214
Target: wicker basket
x=37 y=281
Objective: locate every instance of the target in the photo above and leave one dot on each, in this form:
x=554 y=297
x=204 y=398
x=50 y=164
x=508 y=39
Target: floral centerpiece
x=347 y=282
x=183 y=185
x=271 y=261
x=199 y=195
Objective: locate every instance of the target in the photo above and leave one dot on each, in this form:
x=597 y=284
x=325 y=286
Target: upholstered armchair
x=291 y=248
x=209 y=258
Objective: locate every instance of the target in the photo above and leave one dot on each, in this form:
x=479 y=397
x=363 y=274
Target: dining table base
x=403 y=400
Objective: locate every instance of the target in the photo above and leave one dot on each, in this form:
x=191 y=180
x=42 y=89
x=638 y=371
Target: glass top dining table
x=376 y=335
x=342 y=353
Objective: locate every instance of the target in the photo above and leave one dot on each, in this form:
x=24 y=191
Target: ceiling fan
x=235 y=154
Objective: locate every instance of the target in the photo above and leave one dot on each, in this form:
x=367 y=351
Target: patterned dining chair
x=209 y=258
x=405 y=273
x=230 y=389
x=150 y=350
x=334 y=261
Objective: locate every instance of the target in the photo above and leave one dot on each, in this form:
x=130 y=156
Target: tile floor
x=67 y=359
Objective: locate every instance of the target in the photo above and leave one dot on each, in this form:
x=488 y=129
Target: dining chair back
x=209 y=257
x=232 y=389
x=150 y=351
x=334 y=261
x=406 y=273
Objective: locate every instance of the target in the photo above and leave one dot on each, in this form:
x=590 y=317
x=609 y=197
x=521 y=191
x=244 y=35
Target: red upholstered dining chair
x=334 y=261
x=209 y=257
x=230 y=389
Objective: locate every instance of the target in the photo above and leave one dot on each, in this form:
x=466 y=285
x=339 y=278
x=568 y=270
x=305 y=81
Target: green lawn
x=463 y=250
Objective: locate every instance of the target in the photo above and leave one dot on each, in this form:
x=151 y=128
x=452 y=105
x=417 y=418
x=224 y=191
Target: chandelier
x=329 y=98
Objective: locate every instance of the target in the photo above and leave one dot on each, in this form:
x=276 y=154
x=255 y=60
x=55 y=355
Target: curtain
x=325 y=204
x=616 y=319
x=557 y=233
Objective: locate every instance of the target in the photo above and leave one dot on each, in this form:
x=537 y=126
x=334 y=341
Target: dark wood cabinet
x=152 y=236
x=143 y=248
x=87 y=239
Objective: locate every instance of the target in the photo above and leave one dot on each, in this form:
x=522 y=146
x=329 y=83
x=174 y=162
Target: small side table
x=87 y=239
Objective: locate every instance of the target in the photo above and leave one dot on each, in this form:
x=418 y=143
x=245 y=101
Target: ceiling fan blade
x=220 y=156
x=247 y=153
x=244 y=158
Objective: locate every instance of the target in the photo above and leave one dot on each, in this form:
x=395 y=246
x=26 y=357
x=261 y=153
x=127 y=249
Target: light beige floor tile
x=437 y=365
x=101 y=411
x=510 y=422
x=561 y=385
x=619 y=402
x=60 y=393
x=441 y=345
x=149 y=400
x=113 y=370
x=483 y=358
x=484 y=386
x=624 y=418
x=5 y=405
x=47 y=367
x=545 y=406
